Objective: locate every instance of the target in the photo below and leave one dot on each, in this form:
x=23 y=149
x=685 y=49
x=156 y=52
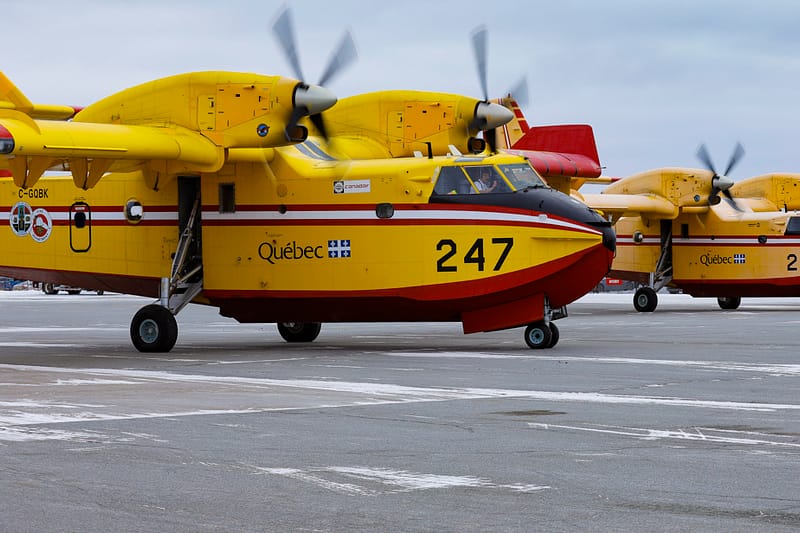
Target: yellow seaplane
x=676 y=231
x=235 y=190
x=673 y=227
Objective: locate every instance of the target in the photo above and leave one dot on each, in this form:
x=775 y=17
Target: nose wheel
x=541 y=335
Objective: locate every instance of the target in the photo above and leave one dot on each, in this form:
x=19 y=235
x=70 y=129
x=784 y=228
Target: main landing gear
x=645 y=300
x=299 y=331
x=154 y=328
x=729 y=302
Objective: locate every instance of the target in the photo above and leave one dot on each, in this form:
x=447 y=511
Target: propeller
x=310 y=100
x=488 y=115
x=520 y=92
x=721 y=183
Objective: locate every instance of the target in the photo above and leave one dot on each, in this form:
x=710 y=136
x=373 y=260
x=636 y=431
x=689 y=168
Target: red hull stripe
x=774 y=287
x=437 y=216
x=107 y=216
x=746 y=241
x=563 y=281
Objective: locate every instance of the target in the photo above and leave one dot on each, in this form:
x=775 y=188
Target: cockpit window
x=522 y=175
x=452 y=180
x=486 y=179
x=793 y=226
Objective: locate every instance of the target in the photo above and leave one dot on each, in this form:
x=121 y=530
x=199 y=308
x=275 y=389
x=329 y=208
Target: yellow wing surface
x=164 y=127
x=662 y=193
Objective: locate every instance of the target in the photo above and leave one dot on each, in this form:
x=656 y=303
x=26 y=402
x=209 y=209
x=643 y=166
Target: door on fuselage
x=80 y=227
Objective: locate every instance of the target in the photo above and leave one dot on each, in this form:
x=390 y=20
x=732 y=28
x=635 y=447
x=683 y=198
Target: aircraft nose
x=610 y=239
x=494 y=115
x=314 y=98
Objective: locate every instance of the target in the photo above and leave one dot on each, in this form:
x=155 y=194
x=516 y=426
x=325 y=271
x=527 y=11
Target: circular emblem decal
x=41 y=226
x=20 y=219
x=262 y=130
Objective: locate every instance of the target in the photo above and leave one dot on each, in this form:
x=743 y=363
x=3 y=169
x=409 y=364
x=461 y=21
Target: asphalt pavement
x=685 y=419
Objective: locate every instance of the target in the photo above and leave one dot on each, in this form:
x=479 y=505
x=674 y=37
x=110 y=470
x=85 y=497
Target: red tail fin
x=561 y=150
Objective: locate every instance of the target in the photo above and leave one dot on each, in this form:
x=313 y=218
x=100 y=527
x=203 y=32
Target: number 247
x=475 y=255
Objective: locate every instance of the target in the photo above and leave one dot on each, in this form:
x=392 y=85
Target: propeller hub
x=722 y=183
x=313 y=98
x=491 y=115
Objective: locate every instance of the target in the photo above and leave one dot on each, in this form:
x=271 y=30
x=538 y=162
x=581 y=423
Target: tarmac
x=684 y=419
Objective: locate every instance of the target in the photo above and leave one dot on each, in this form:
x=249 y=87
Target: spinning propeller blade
x=344 y=55
x=284 y=32
x=479 y=48
x=737 y=154
x=310 y=100
x=488 y=116
x=721 y=183
x=520 y=92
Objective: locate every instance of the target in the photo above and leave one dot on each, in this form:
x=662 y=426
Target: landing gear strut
x=154 y=328
x=646 y=300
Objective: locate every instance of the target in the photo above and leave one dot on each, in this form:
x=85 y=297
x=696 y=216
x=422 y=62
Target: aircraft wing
x=30 y=147
x=777 y=191
x=12 y=98
x=616 y=206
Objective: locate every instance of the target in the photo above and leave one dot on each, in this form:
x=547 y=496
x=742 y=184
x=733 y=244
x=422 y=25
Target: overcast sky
x=654 y=78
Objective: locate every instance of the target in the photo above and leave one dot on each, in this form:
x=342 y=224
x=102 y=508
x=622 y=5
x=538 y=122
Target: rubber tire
x=48 y=288
x=538 y=336
x=645 y=300
x=154 y=329
x=729 y=302
x=299 y=331
x=554 y=334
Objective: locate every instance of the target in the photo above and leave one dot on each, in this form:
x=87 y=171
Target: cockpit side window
x=793 y=226
x=522 y=175
x=486 y=179
x=452 y=181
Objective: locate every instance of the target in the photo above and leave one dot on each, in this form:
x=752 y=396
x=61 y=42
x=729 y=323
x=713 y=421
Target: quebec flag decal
x=338 y=248
x=739 y=259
